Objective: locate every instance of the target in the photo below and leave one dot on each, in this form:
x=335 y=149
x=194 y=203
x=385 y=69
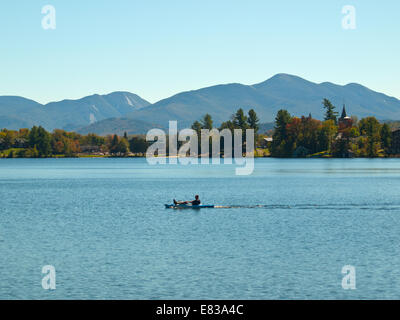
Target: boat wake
x=386 y=207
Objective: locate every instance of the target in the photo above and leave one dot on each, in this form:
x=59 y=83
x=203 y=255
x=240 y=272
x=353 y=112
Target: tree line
x=239 y=120
x=305 y=136
x=39 y=143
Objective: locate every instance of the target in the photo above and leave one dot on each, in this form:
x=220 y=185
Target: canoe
x=188 y=206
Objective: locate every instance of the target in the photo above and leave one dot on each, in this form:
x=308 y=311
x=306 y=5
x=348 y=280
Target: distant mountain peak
x=356 y=85
x=285 y=76
x=282 y=78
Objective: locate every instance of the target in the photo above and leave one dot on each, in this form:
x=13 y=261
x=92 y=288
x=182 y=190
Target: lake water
x=291 y=227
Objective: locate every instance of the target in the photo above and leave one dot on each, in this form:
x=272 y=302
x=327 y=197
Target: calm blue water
x=102 y=224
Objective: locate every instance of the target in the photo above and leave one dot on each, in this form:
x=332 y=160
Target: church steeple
x=344 y=114
x=345 y=121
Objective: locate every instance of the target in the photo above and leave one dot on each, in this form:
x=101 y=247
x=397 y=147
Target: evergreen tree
x=253 y=121
x=138 y=145
x=119 y=146
x=207 y=122
x=43 y=142
x=227 y=125
x=114 y=144
x=123 y=146
x=386 y=137
x=330 y=113
x=114 y=141
x=196 y=126
x=33 y=137
x=240 y=120
x=280 y=137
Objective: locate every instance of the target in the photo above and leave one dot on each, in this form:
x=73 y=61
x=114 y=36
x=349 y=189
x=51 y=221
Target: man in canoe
x=195 y=202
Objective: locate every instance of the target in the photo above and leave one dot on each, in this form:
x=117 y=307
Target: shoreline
x=177 y=157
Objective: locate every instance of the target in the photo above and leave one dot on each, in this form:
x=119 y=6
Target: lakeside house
x=266 y=143
x=90 y=149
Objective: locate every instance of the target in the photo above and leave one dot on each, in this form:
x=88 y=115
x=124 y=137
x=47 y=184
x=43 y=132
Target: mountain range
x=123 y=111
x=18 y=112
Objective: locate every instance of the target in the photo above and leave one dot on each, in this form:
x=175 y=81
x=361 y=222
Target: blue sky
x=156 y=48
